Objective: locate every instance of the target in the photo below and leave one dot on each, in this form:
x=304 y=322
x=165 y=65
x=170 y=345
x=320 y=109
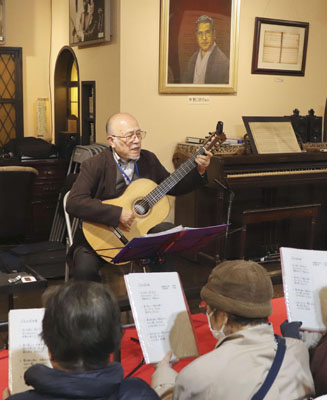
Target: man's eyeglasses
x=130 y=136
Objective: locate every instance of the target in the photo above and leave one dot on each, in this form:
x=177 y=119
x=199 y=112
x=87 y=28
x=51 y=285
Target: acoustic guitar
x=149 y=203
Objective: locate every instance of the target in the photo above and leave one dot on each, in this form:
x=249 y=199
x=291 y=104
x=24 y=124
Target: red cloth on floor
x=131 y=354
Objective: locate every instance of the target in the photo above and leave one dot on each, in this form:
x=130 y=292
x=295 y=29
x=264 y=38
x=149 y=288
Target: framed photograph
x=279 y=47
x=198 y=46
x=2 y=21
x=271 y=135
x=89 y=22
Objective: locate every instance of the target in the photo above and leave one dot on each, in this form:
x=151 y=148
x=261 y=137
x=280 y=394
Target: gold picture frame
x=180 y=35
x=279 y=47
x=2 y=22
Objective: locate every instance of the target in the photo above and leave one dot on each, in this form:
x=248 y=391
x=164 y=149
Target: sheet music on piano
x=271 y=135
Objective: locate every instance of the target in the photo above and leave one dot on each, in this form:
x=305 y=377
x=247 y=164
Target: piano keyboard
x=273 y=173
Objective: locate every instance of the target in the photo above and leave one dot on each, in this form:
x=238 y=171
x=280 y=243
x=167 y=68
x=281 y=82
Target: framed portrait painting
x=89 y=22
x=198 y=46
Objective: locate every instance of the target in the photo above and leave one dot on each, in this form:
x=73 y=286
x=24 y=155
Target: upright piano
x=243 y=182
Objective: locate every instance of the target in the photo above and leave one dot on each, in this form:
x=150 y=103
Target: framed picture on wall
x=2 y=21
x=89 y=22
x=198 y=46
x=279 y=47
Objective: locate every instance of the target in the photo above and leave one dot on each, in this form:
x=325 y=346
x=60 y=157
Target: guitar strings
x=156 y=194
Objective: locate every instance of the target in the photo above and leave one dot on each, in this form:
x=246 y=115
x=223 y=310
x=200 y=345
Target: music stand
x=159 y=244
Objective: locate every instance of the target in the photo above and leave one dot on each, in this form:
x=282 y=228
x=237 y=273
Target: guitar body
x=101 y=237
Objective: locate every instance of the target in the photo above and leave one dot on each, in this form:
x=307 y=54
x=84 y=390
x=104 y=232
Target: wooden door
x=11 y=94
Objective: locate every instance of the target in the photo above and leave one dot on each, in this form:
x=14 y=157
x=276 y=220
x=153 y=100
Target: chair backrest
x=80 y=153
x=70 y=233
x=71 y=226
x=58 y=228
x=16 y=185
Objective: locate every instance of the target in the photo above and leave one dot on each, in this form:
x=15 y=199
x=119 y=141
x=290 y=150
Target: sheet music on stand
x=176 y=240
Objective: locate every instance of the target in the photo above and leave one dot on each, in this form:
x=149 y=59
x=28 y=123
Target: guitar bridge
x=119 y=235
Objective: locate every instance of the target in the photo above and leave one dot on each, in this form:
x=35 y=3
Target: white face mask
x=219 y=335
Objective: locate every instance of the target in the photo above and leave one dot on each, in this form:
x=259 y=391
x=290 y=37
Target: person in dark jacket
x=106 y=176
x=81 y=327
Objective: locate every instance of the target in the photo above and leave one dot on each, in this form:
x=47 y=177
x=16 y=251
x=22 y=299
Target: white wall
x=169 y=118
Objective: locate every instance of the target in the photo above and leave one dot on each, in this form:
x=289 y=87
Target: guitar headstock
x=217 y=137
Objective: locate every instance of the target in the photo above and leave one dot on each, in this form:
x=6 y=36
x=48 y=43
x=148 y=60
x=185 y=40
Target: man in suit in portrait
x=208 y=65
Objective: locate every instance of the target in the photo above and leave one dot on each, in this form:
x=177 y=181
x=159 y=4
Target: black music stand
x=176 y=240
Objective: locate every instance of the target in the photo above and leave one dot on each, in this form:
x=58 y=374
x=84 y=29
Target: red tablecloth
x=131 y=354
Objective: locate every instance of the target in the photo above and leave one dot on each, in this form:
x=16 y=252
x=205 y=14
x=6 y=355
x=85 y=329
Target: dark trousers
x=87 y=264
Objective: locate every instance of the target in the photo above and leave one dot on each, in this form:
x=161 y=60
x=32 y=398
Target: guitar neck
x=165 y=186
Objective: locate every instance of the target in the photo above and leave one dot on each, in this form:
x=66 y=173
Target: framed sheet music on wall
x=269 y=135
x=279 y=47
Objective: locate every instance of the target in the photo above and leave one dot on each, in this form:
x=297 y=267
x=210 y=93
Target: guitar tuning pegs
x=220 y=127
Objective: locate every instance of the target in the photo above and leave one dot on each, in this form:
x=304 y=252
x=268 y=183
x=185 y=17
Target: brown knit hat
x=239 y=287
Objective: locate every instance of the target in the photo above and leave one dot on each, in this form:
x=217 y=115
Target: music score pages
x=305 y=286
x=26 y=347
x=161 y=315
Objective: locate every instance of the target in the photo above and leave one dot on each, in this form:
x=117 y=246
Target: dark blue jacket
x=101 y=384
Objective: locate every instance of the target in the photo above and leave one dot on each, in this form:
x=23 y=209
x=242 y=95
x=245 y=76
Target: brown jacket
x=97 y=181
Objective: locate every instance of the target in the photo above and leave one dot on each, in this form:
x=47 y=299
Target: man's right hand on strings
x=127 y=217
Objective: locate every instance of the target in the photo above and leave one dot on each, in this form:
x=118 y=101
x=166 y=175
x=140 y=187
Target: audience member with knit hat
x=238 y=302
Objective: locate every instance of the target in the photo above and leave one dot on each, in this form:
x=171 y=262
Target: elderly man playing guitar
x=111 y=195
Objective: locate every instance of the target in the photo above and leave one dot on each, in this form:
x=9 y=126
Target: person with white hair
x=106 y=176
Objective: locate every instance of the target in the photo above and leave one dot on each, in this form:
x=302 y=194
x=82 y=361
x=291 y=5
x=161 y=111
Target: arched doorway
x=66 y=102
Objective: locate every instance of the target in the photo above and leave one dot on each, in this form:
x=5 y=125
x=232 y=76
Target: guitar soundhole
x=141 y=207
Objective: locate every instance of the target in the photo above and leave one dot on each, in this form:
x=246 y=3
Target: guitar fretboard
x=165 y=186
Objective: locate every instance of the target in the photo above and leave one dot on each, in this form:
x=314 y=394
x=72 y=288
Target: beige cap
x=239 y=287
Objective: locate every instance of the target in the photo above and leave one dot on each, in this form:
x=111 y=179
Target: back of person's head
x=81 y=325
x=243 y=289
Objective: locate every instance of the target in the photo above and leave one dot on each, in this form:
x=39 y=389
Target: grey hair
x=81 y=324
x=204 y=19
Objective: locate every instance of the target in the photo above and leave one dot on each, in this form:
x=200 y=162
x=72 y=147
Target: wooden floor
x=193 y=274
